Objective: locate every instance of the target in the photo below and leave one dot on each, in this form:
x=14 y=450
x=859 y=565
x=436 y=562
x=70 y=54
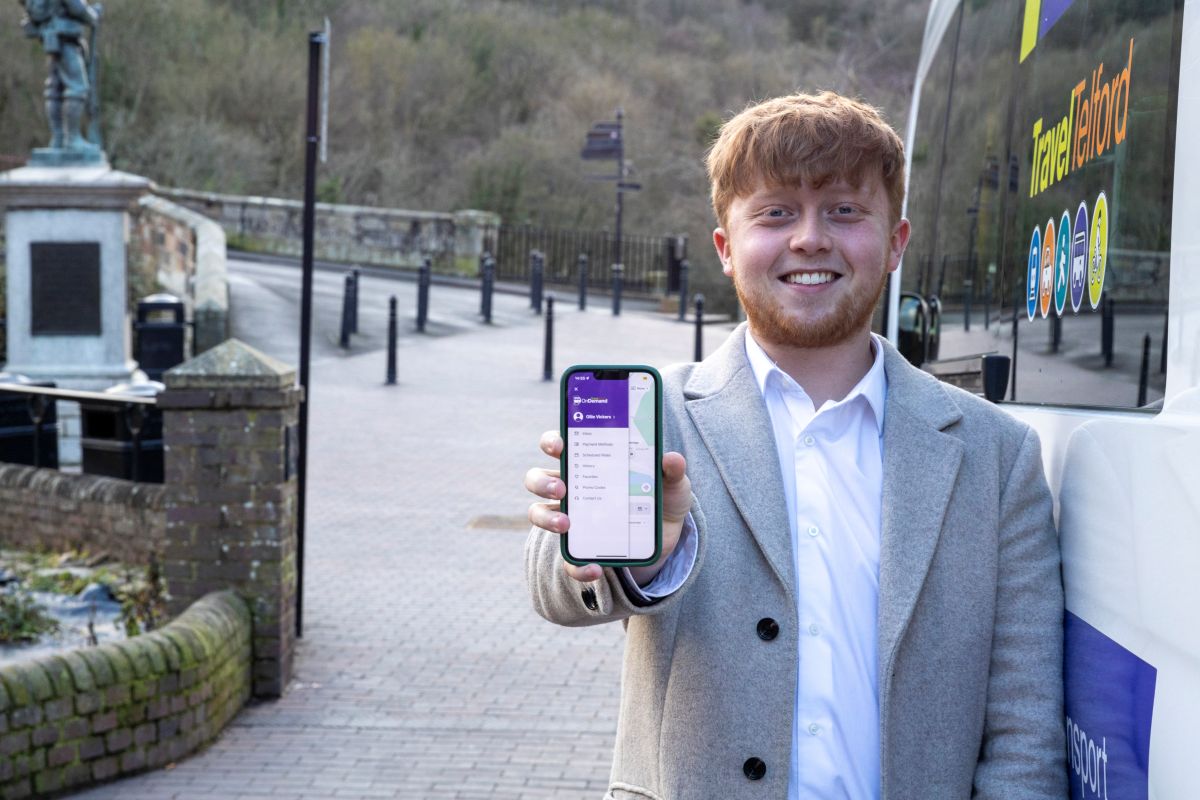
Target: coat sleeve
x=1023 y=739
x=563 y=600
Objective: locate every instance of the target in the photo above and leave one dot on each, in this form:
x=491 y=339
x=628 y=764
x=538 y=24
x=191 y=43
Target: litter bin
x=161 y=333
x=20 y=442
x=123 y=441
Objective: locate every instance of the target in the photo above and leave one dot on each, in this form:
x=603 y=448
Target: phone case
x=658 y=454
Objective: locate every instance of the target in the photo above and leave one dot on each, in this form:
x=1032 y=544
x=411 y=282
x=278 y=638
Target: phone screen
x=610 y=464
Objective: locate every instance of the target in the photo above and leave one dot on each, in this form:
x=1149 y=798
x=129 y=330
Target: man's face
x=809 y=264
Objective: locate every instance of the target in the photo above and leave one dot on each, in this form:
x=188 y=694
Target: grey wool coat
x=970 y=603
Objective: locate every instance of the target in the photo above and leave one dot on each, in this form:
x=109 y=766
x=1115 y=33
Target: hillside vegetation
x=448 y=104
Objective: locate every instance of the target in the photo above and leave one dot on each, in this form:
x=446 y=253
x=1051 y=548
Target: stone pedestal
x=229 y=426
x=67 y=318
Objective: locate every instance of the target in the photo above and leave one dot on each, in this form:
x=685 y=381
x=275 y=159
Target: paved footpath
x=423 y=671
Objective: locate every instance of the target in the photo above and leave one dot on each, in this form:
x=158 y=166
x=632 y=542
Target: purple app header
x=593 y=403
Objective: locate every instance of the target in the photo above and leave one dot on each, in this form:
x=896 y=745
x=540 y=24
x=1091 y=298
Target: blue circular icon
x=1033 y=273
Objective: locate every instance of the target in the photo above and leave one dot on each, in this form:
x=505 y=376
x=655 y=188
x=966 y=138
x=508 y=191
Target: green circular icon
x=1098 y=250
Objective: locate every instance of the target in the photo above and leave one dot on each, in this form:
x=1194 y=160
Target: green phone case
x=658 y=454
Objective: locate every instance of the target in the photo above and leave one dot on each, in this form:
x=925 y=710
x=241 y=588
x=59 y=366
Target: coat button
x=754 y=768
x=589 y=598
x=768 y=629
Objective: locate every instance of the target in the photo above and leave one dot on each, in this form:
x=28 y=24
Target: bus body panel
x=1127 y=487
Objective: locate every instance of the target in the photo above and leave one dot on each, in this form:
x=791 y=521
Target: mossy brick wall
x=87 y=716
x=44 y=508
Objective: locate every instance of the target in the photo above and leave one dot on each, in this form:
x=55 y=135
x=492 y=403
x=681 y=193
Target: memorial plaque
x=65 y=278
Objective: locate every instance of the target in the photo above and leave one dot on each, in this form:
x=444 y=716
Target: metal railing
x=646 y=258
x=132 y=411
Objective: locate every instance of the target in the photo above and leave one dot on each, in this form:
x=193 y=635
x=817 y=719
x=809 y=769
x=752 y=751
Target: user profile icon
x=578 y=416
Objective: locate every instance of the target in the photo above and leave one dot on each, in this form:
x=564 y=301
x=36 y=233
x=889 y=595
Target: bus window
x=977 y=181
x=925 y=171
x=1040 y=195
x=1087 y=242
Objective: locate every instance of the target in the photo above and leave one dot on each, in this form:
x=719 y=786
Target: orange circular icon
x=1046 y=284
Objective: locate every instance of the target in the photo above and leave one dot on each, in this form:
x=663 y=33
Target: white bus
x=1055 y=199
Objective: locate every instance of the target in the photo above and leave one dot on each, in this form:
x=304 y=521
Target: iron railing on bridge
x=648 y=260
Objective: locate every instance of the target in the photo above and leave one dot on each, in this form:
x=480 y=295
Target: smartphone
x=611 y=424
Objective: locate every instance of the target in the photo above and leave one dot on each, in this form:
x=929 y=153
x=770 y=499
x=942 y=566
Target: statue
x=67 y=29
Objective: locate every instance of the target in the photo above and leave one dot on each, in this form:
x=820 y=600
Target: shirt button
x=809 y=441
x=813 y=530
x=814 y=630
x=754 y=768
x=814 y=729
x=589 y=598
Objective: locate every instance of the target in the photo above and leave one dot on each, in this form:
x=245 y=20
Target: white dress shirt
x=831 y=460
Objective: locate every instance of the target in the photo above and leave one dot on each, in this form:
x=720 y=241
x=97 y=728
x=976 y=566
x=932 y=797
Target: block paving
x=423 y=671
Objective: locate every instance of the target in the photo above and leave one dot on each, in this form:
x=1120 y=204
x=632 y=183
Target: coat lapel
x=729 y=413
x=920 y=465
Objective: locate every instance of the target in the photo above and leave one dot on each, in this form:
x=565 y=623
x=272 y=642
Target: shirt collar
x=872 y=386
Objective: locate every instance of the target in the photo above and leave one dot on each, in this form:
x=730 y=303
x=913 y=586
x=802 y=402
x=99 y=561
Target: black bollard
x=1144 y=375
x=344 y=340
x=354 y=301
x=1106 y=330
x=483 y=260
x=968 y=291
x=489 y=280
x=618 y=283
x=548 y=360
x=699 y=327
x=1162 y=359
x=424 y=277
x=537 y=272
x=392 y=333
x=583 y=281
x=1055 y=333
x=684 y=268
x=1015 y=338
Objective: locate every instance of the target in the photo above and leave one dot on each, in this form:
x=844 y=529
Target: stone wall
x=44 y=508
x=174 y=249
x=352 y=234
x=89 y=715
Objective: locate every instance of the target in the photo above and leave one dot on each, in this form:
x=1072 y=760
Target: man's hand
x=547 y=483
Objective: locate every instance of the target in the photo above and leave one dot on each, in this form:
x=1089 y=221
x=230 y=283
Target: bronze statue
x=67 y=29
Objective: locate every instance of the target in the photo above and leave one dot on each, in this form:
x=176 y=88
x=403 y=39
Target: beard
x=771 y=321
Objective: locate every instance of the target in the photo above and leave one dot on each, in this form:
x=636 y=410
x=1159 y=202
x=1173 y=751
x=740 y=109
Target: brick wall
x=90 y=715
x=44 y=508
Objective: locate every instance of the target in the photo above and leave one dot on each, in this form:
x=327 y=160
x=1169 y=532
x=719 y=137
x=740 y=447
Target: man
x=62 y=26
x=859 y=595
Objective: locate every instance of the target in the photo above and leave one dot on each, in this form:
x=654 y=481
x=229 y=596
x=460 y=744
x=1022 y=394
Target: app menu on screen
x=610 y=466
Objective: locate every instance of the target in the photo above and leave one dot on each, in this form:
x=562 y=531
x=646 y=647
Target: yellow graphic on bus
x=1096 y=120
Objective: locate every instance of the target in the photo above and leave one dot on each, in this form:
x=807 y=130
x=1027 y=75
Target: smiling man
x=859 y=594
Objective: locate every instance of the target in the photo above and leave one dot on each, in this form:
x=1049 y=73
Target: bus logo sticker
x=1033 y=273
x=1047 y=282
x=1098 y=250
x=1109 y=695
x=1079 y=257
x=1063 y=258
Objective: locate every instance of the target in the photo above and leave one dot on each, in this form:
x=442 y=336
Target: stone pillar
x=68 y=310
x=229 y=428
x=474 y=232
